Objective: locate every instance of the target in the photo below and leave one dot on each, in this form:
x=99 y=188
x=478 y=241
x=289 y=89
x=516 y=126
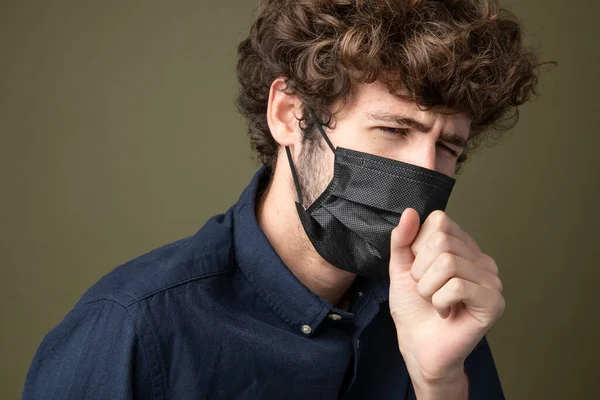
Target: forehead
x=371 y=98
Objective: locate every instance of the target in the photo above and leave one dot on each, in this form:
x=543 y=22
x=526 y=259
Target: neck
x=277 y=217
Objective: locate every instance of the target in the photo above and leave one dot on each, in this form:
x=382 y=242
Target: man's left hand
x=445 y=294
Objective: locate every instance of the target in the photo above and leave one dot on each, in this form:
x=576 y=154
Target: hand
x=445 y=294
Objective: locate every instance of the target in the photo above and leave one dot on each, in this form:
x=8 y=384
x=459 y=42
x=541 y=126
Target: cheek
x=446 y=165
x=315 y=170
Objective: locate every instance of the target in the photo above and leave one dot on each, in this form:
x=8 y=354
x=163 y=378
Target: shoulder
x=206 y=254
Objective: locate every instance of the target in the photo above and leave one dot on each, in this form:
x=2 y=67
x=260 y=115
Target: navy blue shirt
x=219 y=316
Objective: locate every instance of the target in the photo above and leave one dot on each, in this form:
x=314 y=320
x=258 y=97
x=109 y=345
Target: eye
x=449 y=150
x=393 y=131
x=404 y=131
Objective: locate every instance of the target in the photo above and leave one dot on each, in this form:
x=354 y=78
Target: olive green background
x=119 y=134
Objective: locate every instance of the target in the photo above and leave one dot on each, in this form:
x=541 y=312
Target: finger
x=401 y=255
x=440 y=221
x=442 y=242
x=483 y=303
x=447 y=266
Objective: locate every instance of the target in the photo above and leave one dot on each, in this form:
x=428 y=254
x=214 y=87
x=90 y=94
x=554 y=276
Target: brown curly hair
x=448 y=55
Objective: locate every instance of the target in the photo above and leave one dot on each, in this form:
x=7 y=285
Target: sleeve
x=93 y=353
x=484 y=382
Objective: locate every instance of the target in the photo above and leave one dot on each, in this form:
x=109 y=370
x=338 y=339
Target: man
x=337 y=275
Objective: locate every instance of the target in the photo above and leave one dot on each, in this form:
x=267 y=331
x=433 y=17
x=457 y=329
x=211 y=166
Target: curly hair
x=448 y=55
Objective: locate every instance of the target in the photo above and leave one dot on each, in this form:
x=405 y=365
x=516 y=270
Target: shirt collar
x=275 y=283
x=295 y=303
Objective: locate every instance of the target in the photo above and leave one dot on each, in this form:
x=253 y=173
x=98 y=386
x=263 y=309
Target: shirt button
x=306 y=329
x=334 y=317
x=357 y=344
x=360 y=294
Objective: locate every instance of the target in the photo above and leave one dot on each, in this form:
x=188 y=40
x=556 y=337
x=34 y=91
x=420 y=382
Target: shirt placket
x=368 y=308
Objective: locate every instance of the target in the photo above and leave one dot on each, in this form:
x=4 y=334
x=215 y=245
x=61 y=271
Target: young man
x=337 y=275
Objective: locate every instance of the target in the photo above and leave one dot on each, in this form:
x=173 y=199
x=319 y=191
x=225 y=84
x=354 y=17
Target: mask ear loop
x=320 y=127
x=294 y=175
x=289 y=156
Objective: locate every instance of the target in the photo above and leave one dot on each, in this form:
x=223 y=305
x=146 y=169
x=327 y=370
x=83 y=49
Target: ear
x=283 y=111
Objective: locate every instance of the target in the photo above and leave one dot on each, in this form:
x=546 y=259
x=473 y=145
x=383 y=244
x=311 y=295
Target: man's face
x=379 y=123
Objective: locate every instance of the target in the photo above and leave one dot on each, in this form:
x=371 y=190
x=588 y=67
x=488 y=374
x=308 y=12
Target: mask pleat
x=365 y=222
x=349 y=248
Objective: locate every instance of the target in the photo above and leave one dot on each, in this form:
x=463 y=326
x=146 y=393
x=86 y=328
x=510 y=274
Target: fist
x=445 y=294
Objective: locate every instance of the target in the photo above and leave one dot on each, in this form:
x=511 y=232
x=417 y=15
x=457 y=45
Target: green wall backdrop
x=119 y=134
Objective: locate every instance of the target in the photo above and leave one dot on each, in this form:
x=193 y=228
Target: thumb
x=402 y=238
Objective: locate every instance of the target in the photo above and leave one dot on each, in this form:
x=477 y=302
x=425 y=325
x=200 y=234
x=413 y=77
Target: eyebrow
x=448 y=137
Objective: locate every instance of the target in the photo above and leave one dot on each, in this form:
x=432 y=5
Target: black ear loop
x=320 y=126
x=294 y=175
x=289 y=156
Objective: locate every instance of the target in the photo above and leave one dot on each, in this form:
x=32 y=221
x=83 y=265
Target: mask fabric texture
x=351 y=222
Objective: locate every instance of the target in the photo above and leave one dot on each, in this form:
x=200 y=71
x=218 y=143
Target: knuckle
x=440 y=218
x=456 y=285
x=435 y=218
x=499 y=285
x=422 y=290
x=440 y=240
x=489 y=260
x=437 y=299
x=500 y=305
x=437 y=215
x=447 y=264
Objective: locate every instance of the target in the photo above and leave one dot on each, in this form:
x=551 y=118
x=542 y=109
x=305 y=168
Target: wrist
x=453 y=385
x=455 y=389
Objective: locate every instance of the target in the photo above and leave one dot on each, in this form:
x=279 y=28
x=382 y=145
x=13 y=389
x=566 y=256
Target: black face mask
x=351 y=222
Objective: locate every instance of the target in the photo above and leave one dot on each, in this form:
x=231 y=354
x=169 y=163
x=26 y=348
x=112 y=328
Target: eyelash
x=401 y=131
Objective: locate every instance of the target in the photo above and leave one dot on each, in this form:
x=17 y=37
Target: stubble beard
x=314 y=173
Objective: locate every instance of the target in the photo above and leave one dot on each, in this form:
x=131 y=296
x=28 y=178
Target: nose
x=420 y=152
